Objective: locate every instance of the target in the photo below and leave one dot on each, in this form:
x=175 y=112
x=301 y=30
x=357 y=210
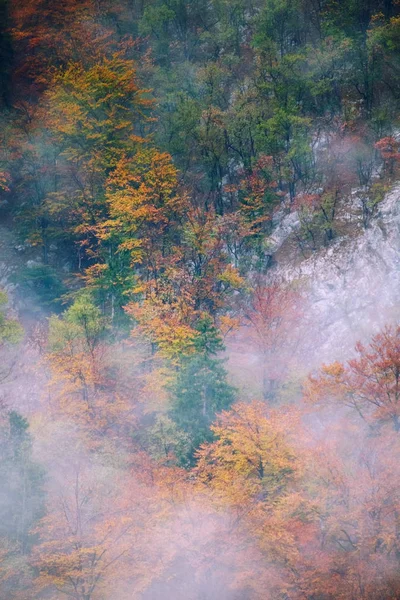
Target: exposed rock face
x=352 y=287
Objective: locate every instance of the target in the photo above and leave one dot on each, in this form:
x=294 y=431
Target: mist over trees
x=149 y=151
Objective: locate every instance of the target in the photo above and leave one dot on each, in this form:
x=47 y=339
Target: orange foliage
x=370 y=384
x=272 y=312
x=389 y=148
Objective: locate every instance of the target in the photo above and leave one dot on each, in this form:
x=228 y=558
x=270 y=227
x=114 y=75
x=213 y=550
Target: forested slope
x=199 y=205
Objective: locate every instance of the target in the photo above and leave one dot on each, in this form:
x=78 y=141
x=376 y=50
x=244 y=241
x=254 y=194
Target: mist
x=199 y=283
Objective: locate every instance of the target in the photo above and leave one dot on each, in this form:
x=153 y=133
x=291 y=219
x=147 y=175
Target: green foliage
x=166 y=442
x=208 y=342
x=201 y=389
x=82 y=321
x=280 y=26
x=45 y=282
x=10 y=330
x=370 y=200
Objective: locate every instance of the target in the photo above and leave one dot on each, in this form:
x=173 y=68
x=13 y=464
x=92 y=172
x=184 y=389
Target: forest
x=175 y=421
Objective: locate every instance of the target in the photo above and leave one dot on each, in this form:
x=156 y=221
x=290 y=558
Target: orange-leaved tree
x=370 y=383
x=94 y=535
x=140 y=237
x=195 y=279
x=90 y=116
x=253 y=471
x=271 y=311
x=84 y=385
x=354 y=491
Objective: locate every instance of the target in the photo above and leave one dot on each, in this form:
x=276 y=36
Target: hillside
x=199 y=316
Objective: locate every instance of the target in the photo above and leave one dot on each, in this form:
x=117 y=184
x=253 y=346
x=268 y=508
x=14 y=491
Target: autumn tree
x=195 y=279
x=271 y=311
x=252 y=470
x=138 y=240
x=45 y=35
x=388 y=147
x=94 y=115
x=84 y=384
x=353 y=488
x=66 y=147
x=207 y=264
x=369 y=383
x=89 y=538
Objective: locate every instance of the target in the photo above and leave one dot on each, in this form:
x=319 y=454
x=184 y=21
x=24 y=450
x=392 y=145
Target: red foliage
x=389 y=150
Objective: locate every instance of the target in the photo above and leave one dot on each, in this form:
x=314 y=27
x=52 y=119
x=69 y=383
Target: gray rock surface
x=352 y=287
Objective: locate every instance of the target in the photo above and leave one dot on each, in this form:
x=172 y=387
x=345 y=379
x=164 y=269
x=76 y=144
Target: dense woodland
x=147 y=150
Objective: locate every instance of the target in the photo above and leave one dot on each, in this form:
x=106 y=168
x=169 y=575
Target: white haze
x=351 y=290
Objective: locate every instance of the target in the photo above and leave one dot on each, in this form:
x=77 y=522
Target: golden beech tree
x=95 y=110
x=253 y=472
x=167 y=325
x=93 y=114
x=251 y=451
x=138 y=239
x=370 y=383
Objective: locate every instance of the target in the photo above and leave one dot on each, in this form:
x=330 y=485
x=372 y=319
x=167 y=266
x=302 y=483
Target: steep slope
x=353 y=286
